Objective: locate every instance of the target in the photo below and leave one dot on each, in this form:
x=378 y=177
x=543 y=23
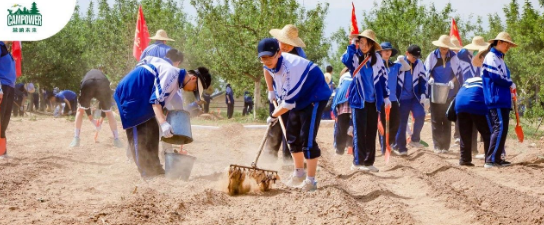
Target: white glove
x=387 y=103
x=513 y=86
x=402 y=60
x=513 y=89
x=1 y=95
x=431 y=81
x=350 y=131
x=425 y=102
x=272 y=120
x=96 y=124
x=167 y=130
x=271 y=96
x=354 y=40
x=451 y=85
x=21 y=108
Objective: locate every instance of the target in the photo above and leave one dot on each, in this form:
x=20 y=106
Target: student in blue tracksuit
x=412 y=94
x=141 y=96
x=394 y=70
x=7 y=91
x=248 y=104
x=442 y=67
x=471 y=112
x=229 y=100
x=470 y=70
x=498 y=97
x=159 y=48
x=367 y=93
x=303 y=93
x=342 y=112
x=69 y=98
x=289 y=43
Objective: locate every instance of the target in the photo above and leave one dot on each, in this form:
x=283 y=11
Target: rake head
x=238 y=174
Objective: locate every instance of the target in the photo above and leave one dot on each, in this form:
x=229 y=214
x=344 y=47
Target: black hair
x=174 y=55
x=484 y=52
x=205 y=77
x=371 y=53
x=329 y=69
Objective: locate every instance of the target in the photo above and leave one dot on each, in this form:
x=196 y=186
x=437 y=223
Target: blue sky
x=340 y=10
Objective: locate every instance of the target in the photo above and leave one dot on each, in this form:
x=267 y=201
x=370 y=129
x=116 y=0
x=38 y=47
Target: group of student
x=478 y=92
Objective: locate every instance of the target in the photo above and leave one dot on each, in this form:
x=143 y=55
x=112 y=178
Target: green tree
x=34 y=9
x=229 y=30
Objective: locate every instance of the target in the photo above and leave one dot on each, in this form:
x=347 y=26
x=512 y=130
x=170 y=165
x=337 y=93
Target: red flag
x=17 y=53
x=354 y=28
x=454 y=31
x=141 y=35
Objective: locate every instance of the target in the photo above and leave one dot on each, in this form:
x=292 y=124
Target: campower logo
x=20 y=18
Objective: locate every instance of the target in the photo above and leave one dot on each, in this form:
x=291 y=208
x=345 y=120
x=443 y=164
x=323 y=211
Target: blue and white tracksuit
x=300 y=87
x=442 y=71
x=468 y=70
x=7 y=80
x=497 y=82
x=148 y=84
x=157 y=49
x=472 y=112
x=411 y=85
x=366 y=96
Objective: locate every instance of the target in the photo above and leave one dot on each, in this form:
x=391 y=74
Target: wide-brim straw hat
x=161 y=36
x=478 y=43
x=503 y=36
x=369 y=34
x=443 y=42
x=456 y=45
x=288 y=35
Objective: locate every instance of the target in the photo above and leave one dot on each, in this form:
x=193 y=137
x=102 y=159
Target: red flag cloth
x=354 y=28
x=141 y=35
x=454 y=31
x=17 y=53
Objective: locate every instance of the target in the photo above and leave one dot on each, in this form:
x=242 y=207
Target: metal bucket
x=181 y=124
x=178 y=166
x=439 y=93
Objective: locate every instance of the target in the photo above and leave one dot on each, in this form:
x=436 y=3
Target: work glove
x=451 y=85
x=387 y=103
x=167 y=130
x=425 y=102
x=350 y=131
x=272 y=120
x=1 y=95
x=431 y=81
x=354 y=40
x=21 y=108
x=404 y=64
x=513 y=90
x=271 y=96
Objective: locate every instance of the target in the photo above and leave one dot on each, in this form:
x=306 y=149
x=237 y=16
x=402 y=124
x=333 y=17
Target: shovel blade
x=519 y=133
x=2 y=146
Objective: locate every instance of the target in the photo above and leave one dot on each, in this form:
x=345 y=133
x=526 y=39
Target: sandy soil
x=45 y=182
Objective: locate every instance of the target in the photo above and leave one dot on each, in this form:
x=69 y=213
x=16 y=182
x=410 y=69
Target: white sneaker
x=4 y=156
x=444 y=151
x=457 y=141
x=372 y=169
x=75 y=142
x=480 y=156
x=295 y=181
x=358 y=168
x=397 y=152
x=438 y=151
x=308 y=186
x=416 y=145
x=117 y=143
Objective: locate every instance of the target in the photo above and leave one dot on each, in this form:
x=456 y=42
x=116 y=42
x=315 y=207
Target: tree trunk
x=257 y=94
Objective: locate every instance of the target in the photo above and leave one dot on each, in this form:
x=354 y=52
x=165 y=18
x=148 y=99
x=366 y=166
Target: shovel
x=387 y=147
x=519 y=130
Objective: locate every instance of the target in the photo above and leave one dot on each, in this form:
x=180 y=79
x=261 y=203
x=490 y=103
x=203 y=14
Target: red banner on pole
x=17 y=53
x=454 y=31
x=354 y=28
x=141 y=35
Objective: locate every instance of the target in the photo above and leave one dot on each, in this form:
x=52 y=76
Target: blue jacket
x=341 y=92
x=465 y=62
x=419 y=80
x=356 y=91
x=470 y=98
x=298 y=82
x=157 y=49
x=497 y=81
x=229 y=94
x=7 y=66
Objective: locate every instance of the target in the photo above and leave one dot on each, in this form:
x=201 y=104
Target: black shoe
x=505 y=163
x=466 y=164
